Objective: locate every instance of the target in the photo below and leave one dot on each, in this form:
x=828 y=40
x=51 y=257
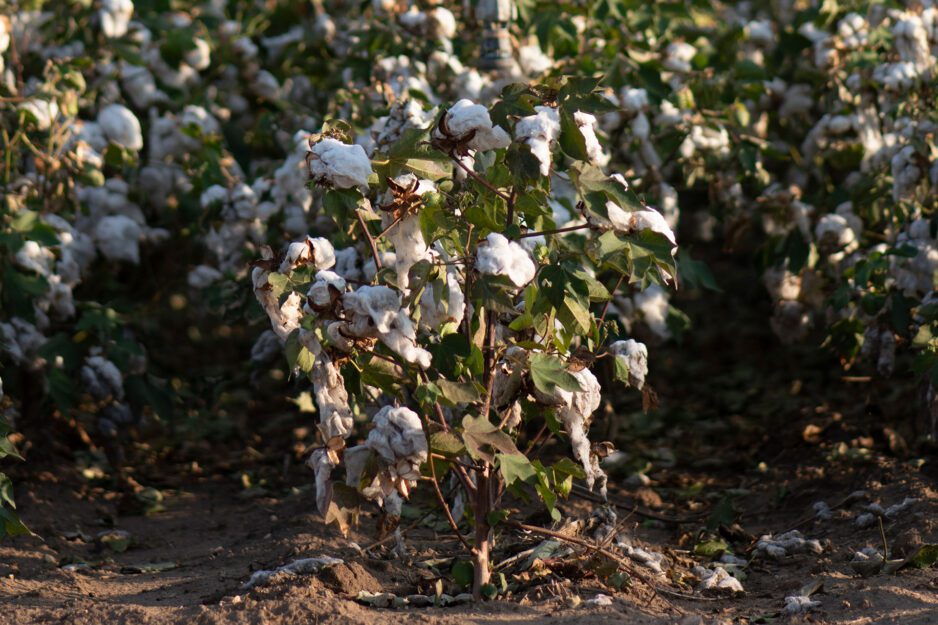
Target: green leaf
x=463 y=573
x=481 y=436
x=925 y=557
x=711 y=548
x=449 y=352
x=492 y=293
x=446 y=444
x=8 y=449
x=10 y=524
x=572 y=141
x=515 y=468
x=549 y=373
x=458 y=392
x=566 y=466
x=6 y=491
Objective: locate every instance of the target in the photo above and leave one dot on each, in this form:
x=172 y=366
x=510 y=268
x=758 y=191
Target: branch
x=439 y=493
x=371 y=240
x=485 y=183
x=558 y=231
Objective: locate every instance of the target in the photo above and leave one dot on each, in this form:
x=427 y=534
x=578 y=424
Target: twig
x=556 y=231
x=485 y=183
x=388 y=229
x=882 y=534
x=439 y=493
x=371 y=240
x=612 y=293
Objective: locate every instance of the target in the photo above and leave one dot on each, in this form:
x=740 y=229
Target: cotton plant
x=479 y=316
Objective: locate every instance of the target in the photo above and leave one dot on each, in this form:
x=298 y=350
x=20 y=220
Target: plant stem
x=483 y=533
x=371 y=240
x=485 y=183
x=557 y=231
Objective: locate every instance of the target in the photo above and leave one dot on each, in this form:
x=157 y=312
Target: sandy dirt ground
x=188 y=562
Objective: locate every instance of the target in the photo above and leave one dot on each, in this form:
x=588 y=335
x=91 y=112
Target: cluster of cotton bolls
x=343 y=313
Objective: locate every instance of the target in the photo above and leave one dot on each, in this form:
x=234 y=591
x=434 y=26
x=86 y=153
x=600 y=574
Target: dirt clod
x=350 y=579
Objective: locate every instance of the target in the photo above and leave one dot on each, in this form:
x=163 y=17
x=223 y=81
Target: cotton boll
x=114 y=16
x=501 y=257
x=322 y=467
x=539 y=132
x=102 y=378
x=266 y=347
x=199 y=57
x=326 y=287
x=335 y=415
x=317 y=252
x=203 y=276
x=717 y=580
x=634 y=356
x=451 y=307
x=789 y=543
x=399 y=440
x=339 y=165
x=34 y=257
x=121 y=126
x=575 y=410
x=346 y=263
x=652 y=306
x=118 y=238
x=834 y=234
x=470 y=124
x=678 y=56
x=905 y=173
x=587 y=125
x=532 y=59
x=799 y=604
x=40 y=112
x=380 y=308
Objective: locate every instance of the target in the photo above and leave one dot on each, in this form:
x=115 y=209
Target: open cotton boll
x=777 y=547
x=652 y=305
x=587 y=124
x=678 y=56
x=450 y=309
x=326 y=285
x=115 y=16
x=118 y=238
x=322 y=467
x=539 y=132
x=203 y=276
x=800 y=604
x=102 y=378
x=380 y=308
x=399 y=440
x=634 y=356
x=40 y=112
x=315 y=251
x=284 y=318
x=501 y=257
x=22 y=340
x=121 y=126
x=717 y=580
x=834 y=234
x=199 y=57
x=335 y=415
x=470 y=123
x=338 y=164
x=532 y=59
x=34 y=257
x=575 y=411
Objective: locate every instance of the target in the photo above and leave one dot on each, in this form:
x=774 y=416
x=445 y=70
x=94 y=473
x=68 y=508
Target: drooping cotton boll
x=346 y=263
x=911 y=41
x=199 y=57
x=203 y=276
x=470 y=124
x=539 y=132
x=399 y=440
x=40 y=112
x=501 y=257
x=587 y=125
x=335 y=415
x=652 y=305
x=322 y=467
x=575 y=411
x=121 y=126
x=58 y=298
x=634 y=356
x=115 y=16
x=376 y=310
x=118 y=238
x=326 y=288
x=338 y=164
x=898 y=77
x=678 y=56
x=34 y=257
x=102 y=378
x=315 y=251
x=407 y=236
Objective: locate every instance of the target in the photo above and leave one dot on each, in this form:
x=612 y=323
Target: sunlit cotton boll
x=315 y=251
x=199 y=57
x=501 y=257
x=121 y=126
x=399 y=440
x=40 y=112
x=539 y=131
x=471 y=123
x=634 y=356
x=114 y=16
x=340 y=165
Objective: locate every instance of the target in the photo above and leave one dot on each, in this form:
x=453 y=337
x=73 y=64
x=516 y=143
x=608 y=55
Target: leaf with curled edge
x=480 y=436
